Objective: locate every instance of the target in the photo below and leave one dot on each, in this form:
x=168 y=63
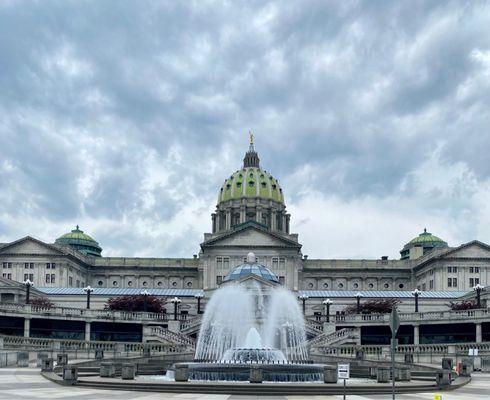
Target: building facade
x=250 y=216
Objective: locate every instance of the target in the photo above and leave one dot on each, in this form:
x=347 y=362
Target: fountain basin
x=241 y=372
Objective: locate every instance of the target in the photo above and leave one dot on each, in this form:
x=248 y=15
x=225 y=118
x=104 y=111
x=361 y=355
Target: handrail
x=330 y=338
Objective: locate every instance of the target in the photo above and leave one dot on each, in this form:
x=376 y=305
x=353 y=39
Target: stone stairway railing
x=190 y=324
x=314 y=326
x=164 y=334
x=337 y=337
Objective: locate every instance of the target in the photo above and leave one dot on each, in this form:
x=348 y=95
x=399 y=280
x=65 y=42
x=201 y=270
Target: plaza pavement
x=23 y=383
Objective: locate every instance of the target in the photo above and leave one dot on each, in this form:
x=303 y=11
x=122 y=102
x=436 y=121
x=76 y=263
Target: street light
x=303 y=298
x=88 y=290
x=478 y=289
x=145 y=294
x=416 y=293
x=326 y=303
x=358 y=298
x=199 y=296
x=176 y=302
x=27 y=283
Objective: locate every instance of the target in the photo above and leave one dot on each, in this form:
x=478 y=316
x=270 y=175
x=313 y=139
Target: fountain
x=247 y=323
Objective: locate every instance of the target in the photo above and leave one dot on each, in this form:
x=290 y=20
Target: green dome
x=81 y=242
x=251 y=182
x=426 y=240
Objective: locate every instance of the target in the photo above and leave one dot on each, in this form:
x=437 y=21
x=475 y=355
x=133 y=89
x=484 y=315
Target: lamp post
x=199 y=296
x=478 y=289
x=326 y=303
x=416 y=294
x=88 y=290
x=303 y=298
x=27 y=283
x=358 y=299
x=176 y=302
x=145 y=294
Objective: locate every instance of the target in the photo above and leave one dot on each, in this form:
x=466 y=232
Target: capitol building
x=250 y=216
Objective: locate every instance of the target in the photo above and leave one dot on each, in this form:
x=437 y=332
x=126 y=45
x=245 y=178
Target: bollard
x=408 y=358
x=447 y=363
x=359 y=354
x=40 y=358
x=22 y=359
x=373 y=372
x=47 y=365
x=404 y=374
x=465 y=369
x=70 y=373
x=330 y=374
x=181 y=373
x=62 y=359
x=99 y=354
x=383 y=374
x=255 y=375
x=128 y=371
x=443 y=378
x=107 y=370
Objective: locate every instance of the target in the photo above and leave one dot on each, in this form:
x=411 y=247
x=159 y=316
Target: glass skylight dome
x=251 y=267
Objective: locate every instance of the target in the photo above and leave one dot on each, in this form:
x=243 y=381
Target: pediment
x=474 y=249
x=251 y=237
x=29 y=245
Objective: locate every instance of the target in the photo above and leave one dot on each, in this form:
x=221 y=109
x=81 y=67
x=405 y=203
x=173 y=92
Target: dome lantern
x=81 y=242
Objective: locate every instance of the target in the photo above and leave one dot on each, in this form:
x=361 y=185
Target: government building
x=250 y=216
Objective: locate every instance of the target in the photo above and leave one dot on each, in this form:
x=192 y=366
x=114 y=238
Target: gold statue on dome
x=251 y=138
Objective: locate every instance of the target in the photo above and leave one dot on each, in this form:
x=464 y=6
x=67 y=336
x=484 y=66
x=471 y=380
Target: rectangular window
x=477 y=270
x=4 y=275
x=53 y=279
x=275 y=262
x=4 y=265
x=70 y=281
x=9 y=265
x=26 y=265
x=219 y=262
x=282 y=280
x=31 y=265
x=449 y=282
x=26 y=277
x=474 y=282
x=282 y=263
x=53 y=265
x=423 y=286
x=48 y=278
x=471 y=270
x=31 y=277
x=455 y=282
x=219 y=279
x=449 y=270
x=226 y=263
x=9 y=276
x=431 y=272
x=48 y=265
x=78 y=283
x=431 y=284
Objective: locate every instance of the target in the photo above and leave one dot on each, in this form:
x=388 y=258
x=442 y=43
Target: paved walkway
x=29 y=384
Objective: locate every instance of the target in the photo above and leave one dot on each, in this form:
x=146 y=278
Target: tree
x=41 y=302
x=377 y=306
x=462 y=305
x=136 y=303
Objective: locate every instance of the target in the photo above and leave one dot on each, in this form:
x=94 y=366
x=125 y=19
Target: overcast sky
x=126 y=117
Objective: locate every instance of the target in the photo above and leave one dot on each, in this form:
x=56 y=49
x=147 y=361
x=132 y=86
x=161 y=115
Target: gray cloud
x=128 y=115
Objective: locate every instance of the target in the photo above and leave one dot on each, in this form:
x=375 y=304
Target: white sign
x=343 y=371
x=473 y=352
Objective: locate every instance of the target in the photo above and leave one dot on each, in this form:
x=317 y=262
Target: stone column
x=288 y=220
x=478 y=332
x=258 y=214
x=87 y=331
x=228 y=220
x=218 y=222
x=27 y=327
x=416 y=334
x=213 y=218
x=273 y=220
x=283 y=222
x=243 y=214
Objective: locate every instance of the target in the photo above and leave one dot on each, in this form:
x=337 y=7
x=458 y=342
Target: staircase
x=159 y=334
x=313 y=327
x=342 y=336
x=191 y=325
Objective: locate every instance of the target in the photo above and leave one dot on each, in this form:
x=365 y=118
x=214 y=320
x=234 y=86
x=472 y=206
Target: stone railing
x=313 y=325
x=482 y=313
x=190 y=323
x=41 y=344
x=327 y=339
x=71 y=312
x=172 y=337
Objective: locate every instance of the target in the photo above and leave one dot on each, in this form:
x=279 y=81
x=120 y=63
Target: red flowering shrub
x=136 y=303
x=377 y=306
x=462 y=305
x=41 y=302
